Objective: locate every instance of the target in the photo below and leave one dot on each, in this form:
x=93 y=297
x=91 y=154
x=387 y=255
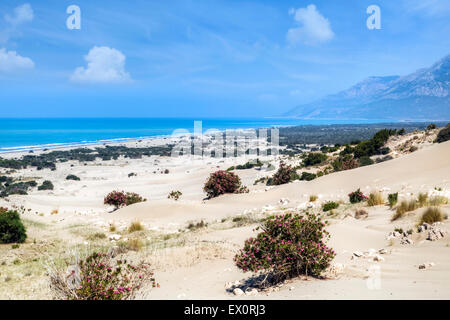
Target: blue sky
x=204 y=58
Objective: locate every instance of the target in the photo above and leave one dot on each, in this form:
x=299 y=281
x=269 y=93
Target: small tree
x=221 y=182
x=289 y=245
x=11 y=227
x=285 y=174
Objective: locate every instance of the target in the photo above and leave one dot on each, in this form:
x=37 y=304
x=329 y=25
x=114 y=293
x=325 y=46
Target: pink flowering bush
x=221 y=182
x=357 y=196
x=289 y=245
x=117 y=199
x=102 y=277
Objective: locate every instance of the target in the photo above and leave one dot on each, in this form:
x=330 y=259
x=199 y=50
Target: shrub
x=11 y=227
x=72 y=177
x=289 y=245
x=444 y=134
x=365 y=161
x=132 y=198
x=346 y=162
x=308 y=176
x=375 y=199
x=404 y=207
x=312 y=198
x=249 y=165
x=330 y=205
x=46 y=185
x=135 y=226
x=116 y=198
x=221 y=182
x=357 y=196
x=284 y=174
x=175 y=195
x=314 y=158
x=392 y=198
x=432 y=215
x=101 y=277
x=192 y=226
x=431 y=126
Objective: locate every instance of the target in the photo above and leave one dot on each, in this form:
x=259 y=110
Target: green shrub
x=431 y=126
x=307 y=176
x=132 y=198
x=365 y=161
x=444 y=134
x=289 y=245
x=72 y=177
x=330 y=205
x=46 y=185
x=392 y=198
x=314 y=158
x=11 y=227
x=345 y=162
x=432 y=215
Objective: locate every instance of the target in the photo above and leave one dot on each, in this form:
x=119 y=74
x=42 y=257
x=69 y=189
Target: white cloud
x=104 y=65
x=428 y=7
x=22 y=14
x=10 y=61
x=312 y=27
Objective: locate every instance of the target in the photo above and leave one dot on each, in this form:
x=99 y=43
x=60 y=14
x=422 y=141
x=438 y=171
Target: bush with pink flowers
x=117 y=199
x=357 y=196
x=101 y=276
x=221 y=182
x=289 y=245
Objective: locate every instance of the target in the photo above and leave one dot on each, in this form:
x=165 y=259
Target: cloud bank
x=10 y=61
x=313 y=28
x=104 y=65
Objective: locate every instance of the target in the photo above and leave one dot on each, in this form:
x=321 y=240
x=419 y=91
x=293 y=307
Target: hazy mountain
x=424 y=94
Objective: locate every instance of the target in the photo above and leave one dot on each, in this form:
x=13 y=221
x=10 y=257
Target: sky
x=204 y=58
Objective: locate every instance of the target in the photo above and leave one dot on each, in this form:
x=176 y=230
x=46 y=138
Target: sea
x=51 y=133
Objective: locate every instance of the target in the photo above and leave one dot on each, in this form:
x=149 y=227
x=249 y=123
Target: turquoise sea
x=41 y=133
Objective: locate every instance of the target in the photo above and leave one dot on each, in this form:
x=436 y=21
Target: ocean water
x=41 y=133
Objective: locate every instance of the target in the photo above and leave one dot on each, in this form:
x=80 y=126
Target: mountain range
x=424 y=94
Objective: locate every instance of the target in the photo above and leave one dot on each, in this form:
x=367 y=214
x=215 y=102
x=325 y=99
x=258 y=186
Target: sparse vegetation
x=404 y=207
x=132 y=198
x=361 y=213
x=444 y=134
x=175 y=195
x=312 y=198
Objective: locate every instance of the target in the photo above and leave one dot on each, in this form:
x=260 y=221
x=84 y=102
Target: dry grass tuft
x=135 y=244
x=375 y=199
x=404 y=207
x=135 y=226
x=432 y=215
x=312 y=198
x=422 y=199
x=437 y=201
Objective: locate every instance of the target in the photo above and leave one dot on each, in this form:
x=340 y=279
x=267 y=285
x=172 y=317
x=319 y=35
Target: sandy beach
x=197 y=263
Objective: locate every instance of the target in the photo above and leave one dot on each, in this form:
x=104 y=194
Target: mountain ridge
x=422 y=94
